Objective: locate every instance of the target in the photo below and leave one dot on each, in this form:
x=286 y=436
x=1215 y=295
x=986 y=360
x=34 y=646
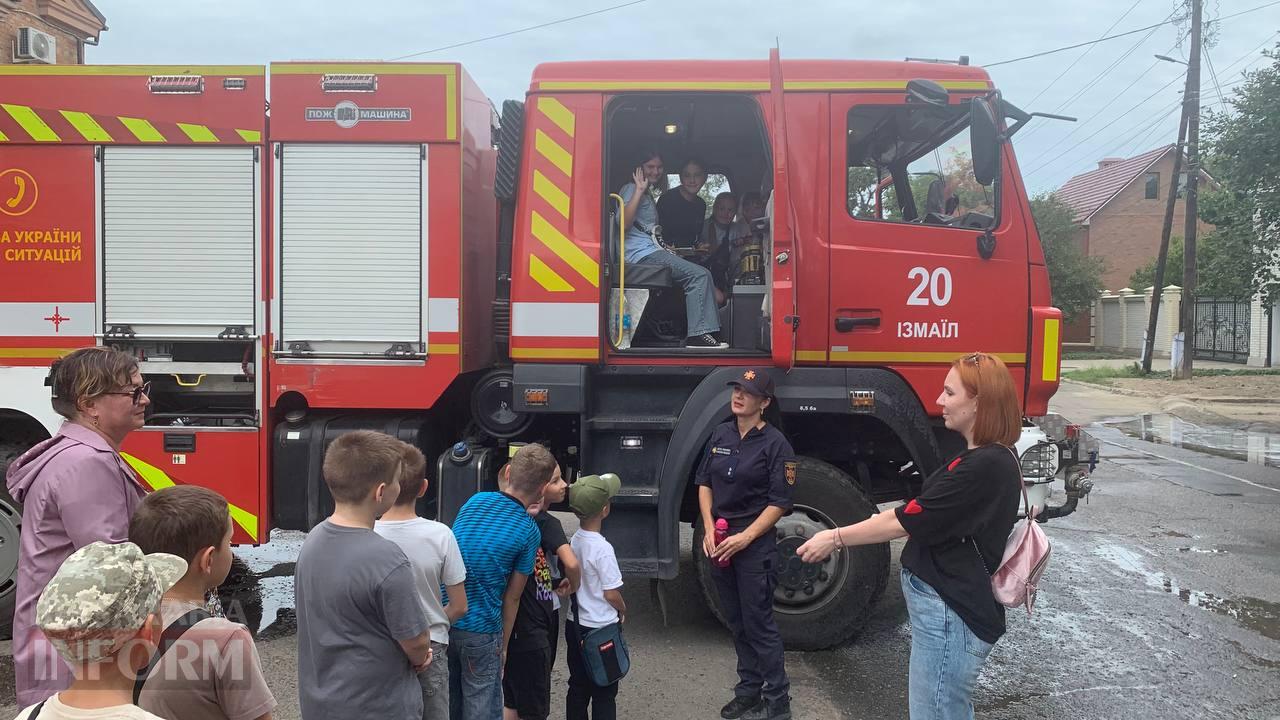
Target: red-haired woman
x=956 y=532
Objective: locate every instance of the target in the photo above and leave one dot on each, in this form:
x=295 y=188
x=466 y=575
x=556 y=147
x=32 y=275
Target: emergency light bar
x=176 y=84
x=349 y=83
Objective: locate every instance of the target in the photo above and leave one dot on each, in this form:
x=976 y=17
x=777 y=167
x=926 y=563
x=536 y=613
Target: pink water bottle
x=722 y=534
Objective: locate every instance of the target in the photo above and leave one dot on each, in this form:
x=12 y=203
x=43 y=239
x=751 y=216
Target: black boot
x=739 y=706
x=779 y=709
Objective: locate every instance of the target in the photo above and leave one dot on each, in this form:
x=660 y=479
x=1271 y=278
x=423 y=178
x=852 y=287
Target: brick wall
x=1125 y=233
x=16 y=14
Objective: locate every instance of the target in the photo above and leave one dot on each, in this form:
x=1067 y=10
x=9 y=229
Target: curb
x=1225 y=400
x=1108 y=388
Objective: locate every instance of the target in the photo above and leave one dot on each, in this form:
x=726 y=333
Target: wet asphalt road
x=1162 y=600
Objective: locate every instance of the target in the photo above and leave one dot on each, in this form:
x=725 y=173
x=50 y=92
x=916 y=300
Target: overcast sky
x=261 y=31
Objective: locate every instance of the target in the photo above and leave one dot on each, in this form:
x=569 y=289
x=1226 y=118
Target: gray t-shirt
x=433 y=552
x=639 y=243
x=356 y=599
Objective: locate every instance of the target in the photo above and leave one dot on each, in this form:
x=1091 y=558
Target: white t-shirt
x=54 y=710
x=599 y=573
x=433 y=552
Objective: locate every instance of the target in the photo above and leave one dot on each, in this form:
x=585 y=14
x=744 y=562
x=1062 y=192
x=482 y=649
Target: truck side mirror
x=984 y=140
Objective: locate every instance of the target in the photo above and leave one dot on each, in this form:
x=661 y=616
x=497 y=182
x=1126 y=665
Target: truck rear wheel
x=818 y=605
x=19 y=440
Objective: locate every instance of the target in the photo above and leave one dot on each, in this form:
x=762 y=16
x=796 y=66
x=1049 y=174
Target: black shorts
x=526 y=683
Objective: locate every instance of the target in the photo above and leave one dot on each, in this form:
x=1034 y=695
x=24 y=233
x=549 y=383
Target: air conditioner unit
x=36 y=46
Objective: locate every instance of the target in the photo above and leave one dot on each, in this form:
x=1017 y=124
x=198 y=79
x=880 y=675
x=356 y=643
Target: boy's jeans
x=946 y=656
x=475 y=675
x=435 y=684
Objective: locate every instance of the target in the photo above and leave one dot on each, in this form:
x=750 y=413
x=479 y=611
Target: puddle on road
x=1261 y=616
x=1253 y=446
x=260 y=591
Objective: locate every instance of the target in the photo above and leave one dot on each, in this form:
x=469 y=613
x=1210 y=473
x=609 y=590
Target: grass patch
x=1093 y=355
x=1105 y=375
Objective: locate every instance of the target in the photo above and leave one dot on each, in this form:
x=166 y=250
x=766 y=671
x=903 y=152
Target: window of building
x=911 y=164
x=1153 y=186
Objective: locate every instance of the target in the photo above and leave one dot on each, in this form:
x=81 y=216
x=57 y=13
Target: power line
x=525 y=29
x=1213 y=74
x=1124 y=34
x=1086 y=52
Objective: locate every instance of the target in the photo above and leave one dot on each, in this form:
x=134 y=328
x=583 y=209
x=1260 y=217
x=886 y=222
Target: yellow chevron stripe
x=158 y=479
x=811 y=355
x=548 y=191
x=915 y=357
x=86 y=126
x=442 y=349
x=35 y=353
x=3 y=137
x=198 y=133
x=555 y=353
x=250 y=136
x=564 y=247
x=31 y=122
x=557 y=113
x=549 y=279
x=552 y=151
x=142 y=130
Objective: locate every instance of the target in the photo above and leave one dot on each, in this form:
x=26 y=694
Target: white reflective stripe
x=47 y=319
x=555 y=319
x=442 y=315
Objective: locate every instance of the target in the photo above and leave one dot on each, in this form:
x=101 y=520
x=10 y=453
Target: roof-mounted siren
x=349 y=82
x=964 y=60
x=176 y=84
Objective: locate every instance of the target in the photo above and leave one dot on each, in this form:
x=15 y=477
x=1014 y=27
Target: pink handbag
x=1026 y=555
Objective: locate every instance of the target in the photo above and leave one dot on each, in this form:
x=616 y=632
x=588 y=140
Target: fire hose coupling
x=1078 y=484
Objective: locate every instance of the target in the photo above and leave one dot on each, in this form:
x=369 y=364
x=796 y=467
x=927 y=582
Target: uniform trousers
x=746 y=595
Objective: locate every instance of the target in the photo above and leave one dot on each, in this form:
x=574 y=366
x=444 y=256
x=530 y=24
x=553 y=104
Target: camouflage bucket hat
x=101 y=596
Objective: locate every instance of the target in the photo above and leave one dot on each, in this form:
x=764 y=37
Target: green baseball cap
x=591 y=493
x=101 y=596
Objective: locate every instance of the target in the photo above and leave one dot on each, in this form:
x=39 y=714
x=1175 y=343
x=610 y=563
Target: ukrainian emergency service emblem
x=790 y=469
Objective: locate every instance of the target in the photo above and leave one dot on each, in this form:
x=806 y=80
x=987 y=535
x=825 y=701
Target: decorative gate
x=1222 y=330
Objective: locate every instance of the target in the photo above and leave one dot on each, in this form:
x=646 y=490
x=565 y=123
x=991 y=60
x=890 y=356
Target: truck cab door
x=781 y=256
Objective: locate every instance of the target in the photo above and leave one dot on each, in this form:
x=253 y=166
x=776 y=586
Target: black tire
x=854 y=578
x=17 y=440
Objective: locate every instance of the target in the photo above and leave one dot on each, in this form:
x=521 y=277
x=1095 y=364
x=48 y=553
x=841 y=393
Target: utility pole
x=1157 y=293
x=1192 y=99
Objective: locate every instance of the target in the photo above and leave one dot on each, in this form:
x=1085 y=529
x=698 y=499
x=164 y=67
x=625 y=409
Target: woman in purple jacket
x=74 y=489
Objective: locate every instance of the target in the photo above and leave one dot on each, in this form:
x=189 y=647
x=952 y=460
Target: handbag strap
x=1026 y=505
x=577 y=626
x=168 y=638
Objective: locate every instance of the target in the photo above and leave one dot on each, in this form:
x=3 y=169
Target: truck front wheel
x=817 y=605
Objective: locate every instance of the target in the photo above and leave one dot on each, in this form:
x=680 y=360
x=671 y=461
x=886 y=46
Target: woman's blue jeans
x=946 y=656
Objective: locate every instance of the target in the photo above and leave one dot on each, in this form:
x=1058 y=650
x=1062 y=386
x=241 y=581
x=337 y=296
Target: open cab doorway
x=711 y=199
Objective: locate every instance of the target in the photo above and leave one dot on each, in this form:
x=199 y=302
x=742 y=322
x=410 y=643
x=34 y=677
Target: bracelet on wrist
x=839 y=538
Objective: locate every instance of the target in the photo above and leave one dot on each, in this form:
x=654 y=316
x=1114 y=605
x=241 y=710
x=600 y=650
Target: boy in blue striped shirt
x=498 y=541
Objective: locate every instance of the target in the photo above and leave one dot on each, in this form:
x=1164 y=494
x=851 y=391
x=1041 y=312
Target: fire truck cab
x=367 y=258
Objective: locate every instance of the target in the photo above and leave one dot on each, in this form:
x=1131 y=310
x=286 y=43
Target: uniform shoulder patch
x=954 y=463
x=790 y=470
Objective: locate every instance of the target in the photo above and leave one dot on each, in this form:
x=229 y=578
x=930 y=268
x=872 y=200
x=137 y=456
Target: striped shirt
x=496 y=537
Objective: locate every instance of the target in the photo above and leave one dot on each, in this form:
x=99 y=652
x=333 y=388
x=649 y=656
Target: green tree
x=1242 y=144
x=1075 y=278
x=1145 y=276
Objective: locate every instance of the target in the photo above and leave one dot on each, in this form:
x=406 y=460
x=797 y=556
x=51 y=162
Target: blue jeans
x=946 y=656
x=475 y=675
x=699 y=291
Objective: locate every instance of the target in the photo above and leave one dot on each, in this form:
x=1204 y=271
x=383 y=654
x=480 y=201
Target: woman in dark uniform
x=746 y=478
x=956 y=531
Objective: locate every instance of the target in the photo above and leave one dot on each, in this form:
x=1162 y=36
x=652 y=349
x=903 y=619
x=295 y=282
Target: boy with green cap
x=101 y=611
x=599 y=596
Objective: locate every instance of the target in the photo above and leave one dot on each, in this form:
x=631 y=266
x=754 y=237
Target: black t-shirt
x=681 y=219
x=973 y=498
x=536 y=615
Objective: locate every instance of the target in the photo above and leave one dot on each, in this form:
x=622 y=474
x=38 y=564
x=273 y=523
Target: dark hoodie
x=74 y=490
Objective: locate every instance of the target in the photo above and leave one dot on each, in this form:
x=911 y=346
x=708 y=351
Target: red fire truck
x=379 y=250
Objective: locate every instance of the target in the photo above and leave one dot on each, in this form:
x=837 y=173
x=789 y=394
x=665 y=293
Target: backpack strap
x=168 y=638
x=35 y=713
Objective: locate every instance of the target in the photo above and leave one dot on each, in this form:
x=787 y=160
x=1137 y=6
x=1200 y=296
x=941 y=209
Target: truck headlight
x=1040 y=461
